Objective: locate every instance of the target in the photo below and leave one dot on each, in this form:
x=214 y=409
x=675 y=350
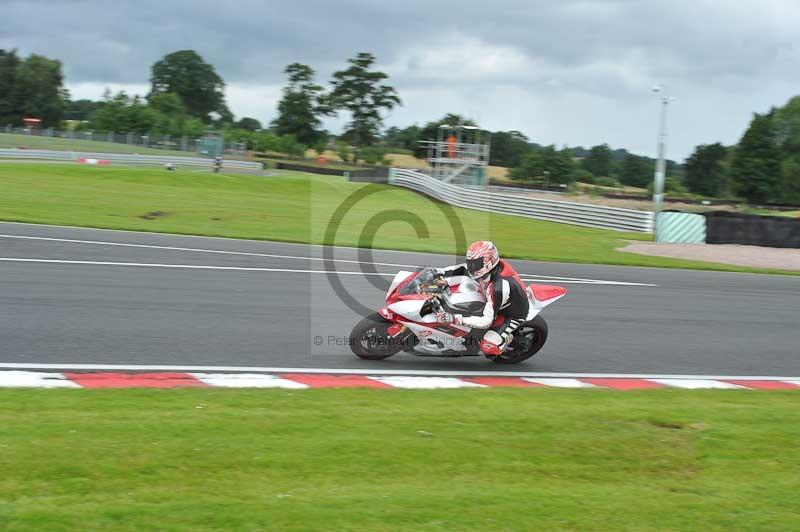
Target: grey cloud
x=611 y=51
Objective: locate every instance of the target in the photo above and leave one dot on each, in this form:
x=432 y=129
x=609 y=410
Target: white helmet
x=482 y=257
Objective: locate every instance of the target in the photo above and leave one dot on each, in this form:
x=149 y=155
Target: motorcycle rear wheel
x=370 y=339
x=528 y=340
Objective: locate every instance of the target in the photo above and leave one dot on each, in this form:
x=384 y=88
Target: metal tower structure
x=459 y=155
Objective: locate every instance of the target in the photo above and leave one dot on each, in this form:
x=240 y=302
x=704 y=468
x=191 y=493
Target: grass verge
x=292 y=207
x=398 y=460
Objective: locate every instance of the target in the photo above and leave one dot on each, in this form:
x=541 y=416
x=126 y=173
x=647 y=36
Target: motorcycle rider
x=506 y=297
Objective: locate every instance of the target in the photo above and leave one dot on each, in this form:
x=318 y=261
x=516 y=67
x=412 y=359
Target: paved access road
x=88 y=296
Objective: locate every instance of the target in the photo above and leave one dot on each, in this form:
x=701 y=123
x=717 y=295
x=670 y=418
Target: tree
x=636 y=171
x=344 y=151
x=705 y=171
x=786 y=120
x=121 y=113
x=407 y=138
x=756 y=162
x=172 y=118
x=80 y=109
x=598 y=161
x=38 y=90
x=790 y=174
x=359 y=91
x=300 y=106
x=508 y=148
x=291 y=146
x=557 y=165
x=581 y=176
x=9 y=111
x=531 y=167
x=168 y=103
x=250 y=124
x=199 y=87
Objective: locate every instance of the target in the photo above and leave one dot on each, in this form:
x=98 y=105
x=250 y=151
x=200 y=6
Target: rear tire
x=528 y=340
x=370 y=339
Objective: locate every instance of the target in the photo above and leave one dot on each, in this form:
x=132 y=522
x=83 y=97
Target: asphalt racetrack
x=88 y=296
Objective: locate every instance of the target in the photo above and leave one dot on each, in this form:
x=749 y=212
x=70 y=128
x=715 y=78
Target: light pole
x=658 y=185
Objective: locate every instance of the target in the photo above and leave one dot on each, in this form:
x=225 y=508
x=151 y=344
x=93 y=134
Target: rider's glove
x=446 y=317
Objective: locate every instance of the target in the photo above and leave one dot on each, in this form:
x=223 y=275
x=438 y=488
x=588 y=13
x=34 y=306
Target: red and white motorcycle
x=408 y=321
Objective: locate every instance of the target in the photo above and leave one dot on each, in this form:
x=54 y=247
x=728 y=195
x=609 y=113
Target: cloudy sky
x=561 y=71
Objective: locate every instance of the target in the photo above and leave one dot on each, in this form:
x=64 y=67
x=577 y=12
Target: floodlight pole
x=658 y=185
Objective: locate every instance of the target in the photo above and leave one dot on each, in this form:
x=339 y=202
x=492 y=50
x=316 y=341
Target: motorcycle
x=408 y=321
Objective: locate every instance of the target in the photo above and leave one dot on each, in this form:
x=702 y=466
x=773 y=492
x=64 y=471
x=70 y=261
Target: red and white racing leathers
x=506 y=306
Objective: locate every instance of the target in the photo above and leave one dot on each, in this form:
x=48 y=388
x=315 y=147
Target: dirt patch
x=749 y=256
x=667 y=425
x=153 y=215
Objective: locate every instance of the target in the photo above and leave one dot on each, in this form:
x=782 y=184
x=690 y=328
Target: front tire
x=528 y=340
x=370 y=339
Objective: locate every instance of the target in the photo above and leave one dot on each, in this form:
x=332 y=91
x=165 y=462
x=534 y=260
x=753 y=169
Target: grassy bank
x=398 y=460
x=291 y=207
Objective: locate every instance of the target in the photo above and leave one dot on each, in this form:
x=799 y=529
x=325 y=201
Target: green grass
x=292 y=207
x=398 y=460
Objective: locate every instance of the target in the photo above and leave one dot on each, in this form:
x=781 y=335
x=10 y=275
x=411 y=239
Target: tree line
x=764 y=167
x=532 y=162
x=187 y=98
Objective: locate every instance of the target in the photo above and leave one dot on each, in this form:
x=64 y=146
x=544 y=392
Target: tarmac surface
x=89 y=296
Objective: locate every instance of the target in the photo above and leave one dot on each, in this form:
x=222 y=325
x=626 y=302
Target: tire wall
x=771 y=231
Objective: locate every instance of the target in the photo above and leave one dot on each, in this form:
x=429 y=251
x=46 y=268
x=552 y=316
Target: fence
x=125 y=159
x=80 y=138
x=554 y=211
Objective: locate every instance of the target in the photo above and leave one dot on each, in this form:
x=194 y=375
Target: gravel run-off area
x=750 y=256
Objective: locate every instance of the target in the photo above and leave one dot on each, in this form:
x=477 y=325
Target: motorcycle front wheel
x=528 y=340
x=370 y=339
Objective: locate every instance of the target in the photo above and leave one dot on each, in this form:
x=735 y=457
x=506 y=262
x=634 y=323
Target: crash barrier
x=752 y=230
x=527 y=187
x=351 y=174
x=125 y=158
x=504 y=189
x=366 y=178
x=680 y=228
x=550 y=210
x=299 y=167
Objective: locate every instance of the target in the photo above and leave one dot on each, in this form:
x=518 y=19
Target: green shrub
x=606 y=181
x=375 y=156
x=672 y=185
x=583 y=176
x=344 y=151
x=320 y=147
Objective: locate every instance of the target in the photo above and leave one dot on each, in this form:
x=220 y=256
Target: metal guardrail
x=550 y=210
x=519 y=190
x=125 y=158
